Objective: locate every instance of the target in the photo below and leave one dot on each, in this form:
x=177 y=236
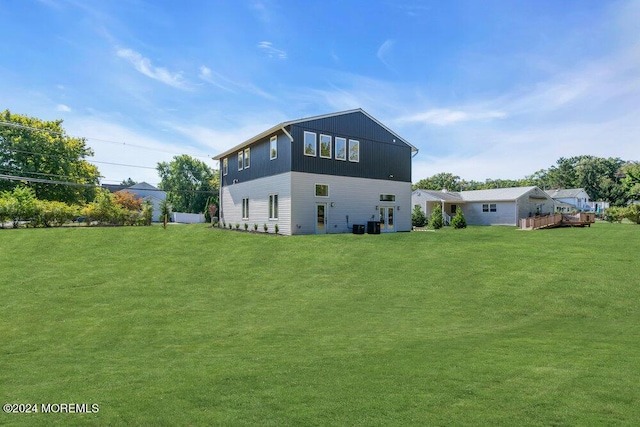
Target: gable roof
x=565 y=193
x=447 y=196
x=282 y=125
x=496 y=194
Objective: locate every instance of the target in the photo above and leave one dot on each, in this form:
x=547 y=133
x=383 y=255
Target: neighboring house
x=576 y=198
x=320 y=174
x=500 y=206
x=151 y=193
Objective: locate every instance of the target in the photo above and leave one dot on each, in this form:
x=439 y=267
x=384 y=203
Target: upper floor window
x=309 y=144
x=322 y=190
x=273 y=148
x=225 y=166
x=247 y=157
x=341 y=148
x=240 y=160
x=325 y=146
x=354 y=150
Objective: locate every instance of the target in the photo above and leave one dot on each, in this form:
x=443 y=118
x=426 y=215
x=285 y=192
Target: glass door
x=386 y=219
x=321 y=218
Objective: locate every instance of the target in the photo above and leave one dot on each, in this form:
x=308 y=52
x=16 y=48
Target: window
x=489 y=207
x=273 y=148
x=354 y=150
x=240 y=160
x=341 y=149
x=225 y=166
x=247 y=157
x=322 y=190
x=245 y=208
x=453 y=209
x=309 y=144
x=387 y=197
x=325 y=146
x=273 y=206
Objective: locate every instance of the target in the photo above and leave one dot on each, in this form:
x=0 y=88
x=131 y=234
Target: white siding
x=258 y=191
x=505 y=214
x=355 y=198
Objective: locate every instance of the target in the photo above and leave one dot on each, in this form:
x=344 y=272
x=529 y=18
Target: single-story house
x=576 y=198
x=321 y=174
x=500 y=206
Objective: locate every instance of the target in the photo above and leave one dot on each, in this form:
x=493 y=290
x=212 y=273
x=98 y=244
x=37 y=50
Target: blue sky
x=484 y=89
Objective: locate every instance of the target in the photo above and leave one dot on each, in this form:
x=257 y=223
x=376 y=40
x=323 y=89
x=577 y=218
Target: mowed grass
x=194 y=326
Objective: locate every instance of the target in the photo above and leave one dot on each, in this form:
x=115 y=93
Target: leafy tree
x=631 y=180
x=435 y=220
x=33 y=148
x=18 y=205
x=128 y=182
x=188 y=182
x=418 y=218
x=632 y=213
x=165 y=211
x=459 y=221
x=128 y=200
x=440 y=181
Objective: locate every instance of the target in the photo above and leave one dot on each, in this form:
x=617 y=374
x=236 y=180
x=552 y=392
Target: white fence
x=187 y=218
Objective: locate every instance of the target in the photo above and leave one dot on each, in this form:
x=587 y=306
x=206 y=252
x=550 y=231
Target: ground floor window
x=489 y=207
x=245 y=208
x=273 y=206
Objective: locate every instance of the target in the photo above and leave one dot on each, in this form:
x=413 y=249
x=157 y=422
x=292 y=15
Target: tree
x=631 y=180
x=418 y=218
x=188 y=182
x=440 y=181
x=128 y=200
x=459 y=221
x=435 y=220
x=128 y=182
x=41 y=150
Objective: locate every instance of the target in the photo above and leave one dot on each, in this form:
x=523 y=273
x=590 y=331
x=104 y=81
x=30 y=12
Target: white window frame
x=273 y=147
x=356 y=143
x=323 y=136
x=273 y=206
x=342 y=157
x=240 y=160
x=489 y=207
x=247 y=157
x=316 y=190
x=225 y=166
x=315 y=144
x=245 y=208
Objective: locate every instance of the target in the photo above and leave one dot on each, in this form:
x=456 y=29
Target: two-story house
x=319 y=174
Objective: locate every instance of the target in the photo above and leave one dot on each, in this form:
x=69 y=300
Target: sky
x=484 y=89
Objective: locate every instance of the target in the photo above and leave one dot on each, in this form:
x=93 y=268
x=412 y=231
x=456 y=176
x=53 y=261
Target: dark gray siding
x=261 y=165
x=382 y=155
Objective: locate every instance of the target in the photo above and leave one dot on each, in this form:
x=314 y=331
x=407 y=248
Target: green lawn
x=194 y=326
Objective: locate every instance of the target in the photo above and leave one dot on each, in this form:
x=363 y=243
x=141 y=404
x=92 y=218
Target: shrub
x=632 y=213
x=128 y=200
x=266 y=229
x=19 y=205
x=246 y=226
x=277 y=228
x=435 y=221
x=237 y=226
x=614 y=214
x=165 y=210
x=54 y=214
x=459 y=221
x=418 y=218
x=255 y=227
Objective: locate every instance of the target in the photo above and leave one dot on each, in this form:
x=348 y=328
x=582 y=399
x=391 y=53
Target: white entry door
x=387 y=223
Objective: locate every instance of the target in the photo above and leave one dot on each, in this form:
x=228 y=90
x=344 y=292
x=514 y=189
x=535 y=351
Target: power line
x=15 y=150
x=77 y=184
x=19 y=126
x=40 y=173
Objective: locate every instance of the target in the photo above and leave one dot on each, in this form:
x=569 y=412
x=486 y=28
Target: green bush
x=614 y=214
x=54 y=214
x=632 y=213
x=436 y=221
x=18 y=205
x=459 y=221
x=418 y=218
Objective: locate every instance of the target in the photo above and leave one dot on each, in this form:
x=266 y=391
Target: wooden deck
x=557 y=220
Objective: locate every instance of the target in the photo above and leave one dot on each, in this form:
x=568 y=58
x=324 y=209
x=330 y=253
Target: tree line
x=610 y=179
x=55 y=167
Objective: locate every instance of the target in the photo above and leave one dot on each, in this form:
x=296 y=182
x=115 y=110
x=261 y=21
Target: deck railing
x=556 y=220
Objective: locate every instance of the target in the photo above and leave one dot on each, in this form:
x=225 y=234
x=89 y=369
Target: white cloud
x=144 y=66
x=62 y=107
x=445 y=117
x=224 y=83
x=272 y=52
